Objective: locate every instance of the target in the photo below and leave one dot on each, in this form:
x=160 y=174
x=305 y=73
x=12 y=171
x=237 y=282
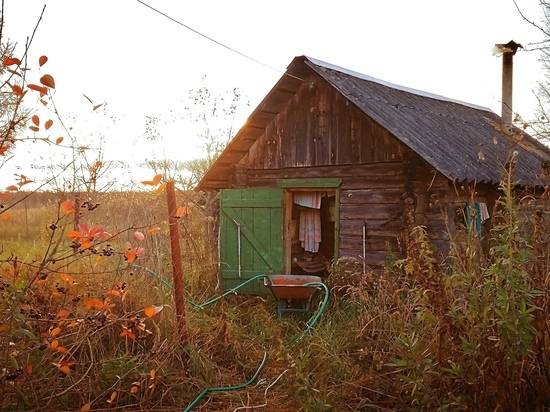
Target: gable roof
x=462 y=141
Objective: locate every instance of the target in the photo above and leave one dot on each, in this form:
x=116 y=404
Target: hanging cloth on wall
x=474 y=216
x=310 y=229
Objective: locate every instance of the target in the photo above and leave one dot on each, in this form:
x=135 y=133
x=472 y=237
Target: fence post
x=177 y=270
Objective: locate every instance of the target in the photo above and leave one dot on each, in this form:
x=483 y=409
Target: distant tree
x=215 y=116
x=541 y=123
x=212 y=118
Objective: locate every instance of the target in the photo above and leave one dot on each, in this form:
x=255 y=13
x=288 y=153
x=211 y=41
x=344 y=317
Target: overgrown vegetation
x=426 y=334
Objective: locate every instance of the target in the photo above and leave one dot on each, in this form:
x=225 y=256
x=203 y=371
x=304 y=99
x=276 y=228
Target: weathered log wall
x=372 y=194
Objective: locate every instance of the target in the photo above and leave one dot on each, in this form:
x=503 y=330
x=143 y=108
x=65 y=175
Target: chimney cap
x=510 y=47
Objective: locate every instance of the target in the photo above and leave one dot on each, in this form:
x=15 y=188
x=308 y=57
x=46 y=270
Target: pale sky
x=142 y=64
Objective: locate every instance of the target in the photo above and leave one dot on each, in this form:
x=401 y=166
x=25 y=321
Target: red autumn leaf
x=14 y=72
x=65 y=370
x=130 y=257
x=28 y=369
x=156 y=180
x=54 y=344
x=86 y=244
x=153 y=230
x=36 y=120
x=152 y=310
x=16 y=90
x=12 y=188
x=127 y=333
x=114 y=293
x=58 y=140
x=67 y=278
x=160 y=188
x=139 y=235
x=94 y=304
x=97 y=106
x=63 y=313
x=74 y=234
x=67 y=206
x=37 y=88
x=34 y=128
x=48 y=81
x=9 y=61
x=48 y=124
x=55 y=331
x=96 y=231
x=42 y=60
x=61 y=349
x=86 y=408
x=4 y=327
x=3 y=149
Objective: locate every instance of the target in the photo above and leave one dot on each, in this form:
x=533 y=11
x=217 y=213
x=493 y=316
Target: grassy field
x=87 y=319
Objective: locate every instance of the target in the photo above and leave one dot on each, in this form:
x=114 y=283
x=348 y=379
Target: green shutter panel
x=251 y=236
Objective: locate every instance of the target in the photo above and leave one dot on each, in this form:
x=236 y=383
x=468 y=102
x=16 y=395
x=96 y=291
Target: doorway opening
x=311 y=227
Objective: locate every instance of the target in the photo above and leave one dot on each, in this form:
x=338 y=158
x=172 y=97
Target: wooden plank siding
x=320 y=127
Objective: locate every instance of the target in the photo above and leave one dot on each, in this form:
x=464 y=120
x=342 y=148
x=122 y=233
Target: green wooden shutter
x=251 y=236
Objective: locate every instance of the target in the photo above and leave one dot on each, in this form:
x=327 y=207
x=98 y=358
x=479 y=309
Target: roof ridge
x=422 y=93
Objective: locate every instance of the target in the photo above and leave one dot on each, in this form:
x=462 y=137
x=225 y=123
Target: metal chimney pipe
x=507 y=50
x=507 y=84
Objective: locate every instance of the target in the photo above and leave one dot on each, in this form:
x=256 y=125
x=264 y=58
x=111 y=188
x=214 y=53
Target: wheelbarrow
x=292 y=292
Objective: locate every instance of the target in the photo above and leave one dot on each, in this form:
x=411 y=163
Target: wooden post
x=177 y=270
x=26 y=220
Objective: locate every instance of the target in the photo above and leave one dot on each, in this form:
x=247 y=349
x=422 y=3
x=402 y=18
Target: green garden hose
x=227 y=388
x=311 y=323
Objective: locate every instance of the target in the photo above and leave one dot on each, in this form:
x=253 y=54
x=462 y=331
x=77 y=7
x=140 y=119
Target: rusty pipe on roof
x=507 y=51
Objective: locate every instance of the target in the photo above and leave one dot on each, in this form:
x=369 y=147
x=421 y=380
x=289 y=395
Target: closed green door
x=251 y=236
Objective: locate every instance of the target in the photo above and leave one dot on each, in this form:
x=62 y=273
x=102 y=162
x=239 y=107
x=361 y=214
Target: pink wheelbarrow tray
x=293 y=292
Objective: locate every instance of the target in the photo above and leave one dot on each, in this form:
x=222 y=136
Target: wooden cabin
x=326 y=165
